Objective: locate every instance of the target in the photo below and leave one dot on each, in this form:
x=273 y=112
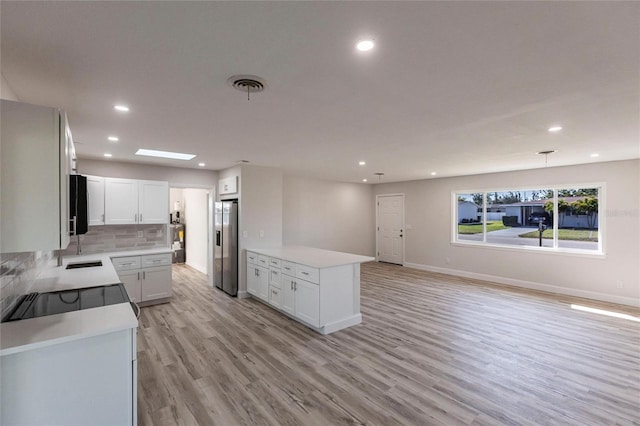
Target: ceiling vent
x=247 y=83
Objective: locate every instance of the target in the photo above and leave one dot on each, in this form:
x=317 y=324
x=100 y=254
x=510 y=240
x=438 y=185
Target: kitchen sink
x=78 y=265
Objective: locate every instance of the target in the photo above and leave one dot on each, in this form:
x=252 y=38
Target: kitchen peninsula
x=319 y=288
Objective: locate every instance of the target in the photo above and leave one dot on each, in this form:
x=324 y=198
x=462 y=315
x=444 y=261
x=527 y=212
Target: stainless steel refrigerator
x=226 y=248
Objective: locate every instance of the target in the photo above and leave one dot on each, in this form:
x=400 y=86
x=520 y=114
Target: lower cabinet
x=144 y=282
x=301 y=299
x=89 y=381
x=258 y=282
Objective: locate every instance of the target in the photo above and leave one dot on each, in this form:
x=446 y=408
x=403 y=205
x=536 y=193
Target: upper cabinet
x=95 y=199
x=153 y=201
x=130 y=201
x=35 y=166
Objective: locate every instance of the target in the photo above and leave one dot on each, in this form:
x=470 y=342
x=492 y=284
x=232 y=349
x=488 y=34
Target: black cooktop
x=56 y=302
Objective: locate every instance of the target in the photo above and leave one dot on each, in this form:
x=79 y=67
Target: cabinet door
x=307 y=302
x=275 y=297
x=153 y=201
x=288 y=295
x=131 y=281
x=95 y=191
x=263 y=283
x=252 y=280
x=34 y=196
x=120 y=201
x=156 y=283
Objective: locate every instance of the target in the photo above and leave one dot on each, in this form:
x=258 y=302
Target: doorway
x=390 y=228
x=189 y=207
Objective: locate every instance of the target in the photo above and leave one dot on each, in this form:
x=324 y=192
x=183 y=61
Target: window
x=560 y=218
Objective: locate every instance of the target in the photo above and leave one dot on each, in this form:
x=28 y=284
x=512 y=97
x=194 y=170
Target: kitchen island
x=319 y=288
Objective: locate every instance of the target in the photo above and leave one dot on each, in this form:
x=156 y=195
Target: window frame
x=555 y=249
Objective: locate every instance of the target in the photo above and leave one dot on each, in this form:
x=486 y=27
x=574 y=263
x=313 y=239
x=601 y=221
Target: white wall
x=195 y=212
x=428 y=243
x=330 y=215
x=6 y=92
x=176 y=176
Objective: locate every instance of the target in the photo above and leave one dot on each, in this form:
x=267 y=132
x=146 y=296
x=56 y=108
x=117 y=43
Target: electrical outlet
x=620 y=284
x=245 y=234
x=262 y=233
x=447 y=260
x=140 y=234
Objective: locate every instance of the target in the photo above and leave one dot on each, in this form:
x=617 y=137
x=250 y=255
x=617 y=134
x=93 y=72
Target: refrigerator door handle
x=218 y=238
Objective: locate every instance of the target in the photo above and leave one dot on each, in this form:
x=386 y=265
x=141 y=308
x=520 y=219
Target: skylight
x=164 y=154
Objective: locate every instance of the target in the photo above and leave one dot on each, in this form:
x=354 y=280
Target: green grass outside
x=476 y=228
x=566 y=234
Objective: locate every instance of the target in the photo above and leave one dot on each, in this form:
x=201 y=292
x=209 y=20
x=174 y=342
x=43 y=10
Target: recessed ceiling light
x=362 y=163
x=365 y=45
x=433 y=173
x=121 y=108
x=108 y=155
x=364 y=180
x=201 y=164
x=554 y=129
x=594 y=155
x=113 y=138
x=164 y=154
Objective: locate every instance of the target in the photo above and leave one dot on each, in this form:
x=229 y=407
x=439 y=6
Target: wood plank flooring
x=432 y=350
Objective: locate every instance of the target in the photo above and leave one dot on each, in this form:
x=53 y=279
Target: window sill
x=531 y=249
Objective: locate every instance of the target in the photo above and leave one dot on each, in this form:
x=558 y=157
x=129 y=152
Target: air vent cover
x=247 y=83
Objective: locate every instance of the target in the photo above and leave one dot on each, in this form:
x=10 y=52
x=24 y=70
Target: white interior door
x=391 y=229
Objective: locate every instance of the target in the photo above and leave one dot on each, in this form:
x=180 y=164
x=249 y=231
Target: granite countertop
x=34 y=333
x=314 y=257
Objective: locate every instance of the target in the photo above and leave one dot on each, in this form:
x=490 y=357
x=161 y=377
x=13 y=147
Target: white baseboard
x=343 y=323
x=198 y=268
x=621 y=300
x=243 y=295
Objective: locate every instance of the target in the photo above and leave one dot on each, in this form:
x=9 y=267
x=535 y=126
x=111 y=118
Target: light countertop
x=33 y=333
x=314 y=257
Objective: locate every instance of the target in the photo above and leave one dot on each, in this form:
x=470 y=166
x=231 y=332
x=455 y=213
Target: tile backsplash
x=106 y=238
x=18 y=273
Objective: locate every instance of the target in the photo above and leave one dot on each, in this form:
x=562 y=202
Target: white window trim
x=599 y=253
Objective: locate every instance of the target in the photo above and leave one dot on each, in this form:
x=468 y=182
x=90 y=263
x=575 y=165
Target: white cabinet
x=301 y=299
x=130 y=201
x=319 y=288
x=120 y=201
x=258 y=281
x=153 y=201
x=95 y=192
x=131 y=281
x=35 y=157
x=146 y=278
x=89 y=381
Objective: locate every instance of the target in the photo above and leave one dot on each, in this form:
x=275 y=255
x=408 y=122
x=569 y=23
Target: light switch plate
x=262 y=233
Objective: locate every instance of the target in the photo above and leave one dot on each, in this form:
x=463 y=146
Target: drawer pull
x=305 y=273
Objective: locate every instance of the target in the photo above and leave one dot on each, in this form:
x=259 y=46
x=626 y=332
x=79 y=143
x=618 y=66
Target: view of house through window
x=529 y=218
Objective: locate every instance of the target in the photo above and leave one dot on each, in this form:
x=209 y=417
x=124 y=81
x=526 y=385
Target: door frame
x=377 y=230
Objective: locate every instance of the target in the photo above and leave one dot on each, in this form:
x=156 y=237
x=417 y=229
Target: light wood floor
x=432 y=349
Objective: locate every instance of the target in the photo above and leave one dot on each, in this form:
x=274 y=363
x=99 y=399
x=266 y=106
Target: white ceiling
x=453 y=87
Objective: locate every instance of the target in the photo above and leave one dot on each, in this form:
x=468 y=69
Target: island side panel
x=337 y=302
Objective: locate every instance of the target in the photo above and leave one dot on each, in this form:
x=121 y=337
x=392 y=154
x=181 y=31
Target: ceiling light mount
x=379 y=174
x=247 y=83
x=546 y=155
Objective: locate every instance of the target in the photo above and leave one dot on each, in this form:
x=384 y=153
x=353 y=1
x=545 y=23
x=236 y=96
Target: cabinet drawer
x=275 y=297
x=156 y=260
x=288 y=268
x=252 y=258
x=275 y=277
x=126 y=263
x=274 y=262
x=308 y=273
x=263 y=260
